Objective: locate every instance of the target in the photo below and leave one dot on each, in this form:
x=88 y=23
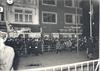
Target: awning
x=34 y=28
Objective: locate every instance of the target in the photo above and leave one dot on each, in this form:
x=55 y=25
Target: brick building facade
x=21 y=15
x=46 y=16
x=60 y=16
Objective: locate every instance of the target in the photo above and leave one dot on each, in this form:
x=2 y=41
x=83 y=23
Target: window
x=33 y=2
x=23 y=15
x=49 y=2
x=30 y=1
x=2 y=16
x=20 y=1
x=69 y=3
x=76 y=19
x=18 y=16
x=69 y=18
x=79 y=19
x=49 y=17
x=28 y=11
x=18 y=11
x=28 y=16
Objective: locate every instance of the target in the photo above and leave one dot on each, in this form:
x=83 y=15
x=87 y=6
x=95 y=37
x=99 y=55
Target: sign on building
x=10 y=1
x=1 y=9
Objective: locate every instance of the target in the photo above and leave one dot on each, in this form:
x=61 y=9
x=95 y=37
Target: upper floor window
x=18 y=11
x=18 y=15
x=81 y=19
x=78 y=19
x=69 y=18
x=1 y=16
x=49 y=2
x=28 y=16
x=20 y=1
x=69 y=3
x=49 y=17
x=23 y=15
x=34 y=2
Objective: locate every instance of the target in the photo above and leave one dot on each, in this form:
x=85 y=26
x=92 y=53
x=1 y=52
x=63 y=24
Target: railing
x=81 y=66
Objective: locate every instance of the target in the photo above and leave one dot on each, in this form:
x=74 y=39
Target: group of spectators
x=24 y=46
x=27 y=46
x=34 y=45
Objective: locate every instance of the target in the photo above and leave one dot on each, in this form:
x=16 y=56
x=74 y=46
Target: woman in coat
x=6 y=54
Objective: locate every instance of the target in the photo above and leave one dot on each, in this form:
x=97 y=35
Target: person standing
x=90 y=48
x=58 y=47
x=6 y=54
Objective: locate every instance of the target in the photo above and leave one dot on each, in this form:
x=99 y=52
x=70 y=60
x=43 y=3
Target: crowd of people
x=12 y=48
x=27 y=46
x=37 y=45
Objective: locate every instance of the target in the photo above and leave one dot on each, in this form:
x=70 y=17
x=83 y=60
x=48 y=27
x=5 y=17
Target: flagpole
x=90 y=18
x=77 y=27
x=41 y=31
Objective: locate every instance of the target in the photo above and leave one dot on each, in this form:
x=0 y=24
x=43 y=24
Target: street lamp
x=41 y=32
x=76 y=35
x=91 y=13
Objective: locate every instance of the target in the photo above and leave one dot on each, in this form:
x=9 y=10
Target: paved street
x=51 y=59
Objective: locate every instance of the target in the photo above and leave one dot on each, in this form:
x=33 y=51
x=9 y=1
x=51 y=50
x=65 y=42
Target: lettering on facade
x=10 y=1
x=1 y=9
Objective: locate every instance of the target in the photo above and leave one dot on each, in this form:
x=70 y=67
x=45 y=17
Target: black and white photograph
x=49 y=35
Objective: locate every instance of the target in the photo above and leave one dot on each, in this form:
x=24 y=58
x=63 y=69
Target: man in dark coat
x=90 y=48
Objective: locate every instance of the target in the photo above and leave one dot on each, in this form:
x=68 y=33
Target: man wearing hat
x=6 y=54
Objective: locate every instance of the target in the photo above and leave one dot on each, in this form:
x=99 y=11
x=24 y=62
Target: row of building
x=43 y=16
